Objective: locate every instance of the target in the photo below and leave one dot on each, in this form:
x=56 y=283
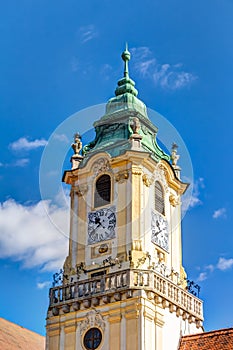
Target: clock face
x=101 y=225
x=159 y=228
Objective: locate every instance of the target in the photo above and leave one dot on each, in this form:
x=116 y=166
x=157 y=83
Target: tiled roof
x=221 y=339
x=14 y=337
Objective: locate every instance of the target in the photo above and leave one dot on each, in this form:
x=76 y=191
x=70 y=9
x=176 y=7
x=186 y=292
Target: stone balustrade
x=158 y=287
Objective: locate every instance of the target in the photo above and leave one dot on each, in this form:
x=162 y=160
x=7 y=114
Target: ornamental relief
x=174 y=200
x=100 y=166
x=156 y=176
x=80 y=190
x=136 y=170
x=147 y=180
x=122 y=176
x=92 y=319
x=161 y=177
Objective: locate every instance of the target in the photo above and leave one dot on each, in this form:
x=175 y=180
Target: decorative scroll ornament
x=174 y=200
x=101 y=165
x=122 y=176
x=161 y=176
x=146 y=180
x=162 y=167
x=156 y=176
x=93 y=319
x=80 y=190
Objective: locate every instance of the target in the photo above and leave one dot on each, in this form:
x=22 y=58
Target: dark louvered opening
x=103 y=191
x=159 y=198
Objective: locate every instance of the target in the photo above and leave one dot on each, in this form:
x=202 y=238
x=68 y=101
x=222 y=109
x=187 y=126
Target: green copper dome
x=114 y=130
x=125 y=93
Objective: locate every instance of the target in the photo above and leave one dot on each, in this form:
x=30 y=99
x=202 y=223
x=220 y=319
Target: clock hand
x=98 y=222
x=156 y=234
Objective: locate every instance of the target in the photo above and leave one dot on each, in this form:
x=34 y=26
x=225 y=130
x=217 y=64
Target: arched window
x=102 y=191
x=159 y=198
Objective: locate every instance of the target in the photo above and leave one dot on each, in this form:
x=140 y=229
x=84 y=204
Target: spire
x=125 y=94
x=125 y=124
x=126 y=85
x=126 y=57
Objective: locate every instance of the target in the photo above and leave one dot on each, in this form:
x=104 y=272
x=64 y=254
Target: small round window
x=92 y=339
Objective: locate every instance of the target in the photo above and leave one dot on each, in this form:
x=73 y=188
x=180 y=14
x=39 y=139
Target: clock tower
x=124 y=286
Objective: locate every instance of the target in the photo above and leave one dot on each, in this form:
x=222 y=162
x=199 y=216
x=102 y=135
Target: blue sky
x=59 y=57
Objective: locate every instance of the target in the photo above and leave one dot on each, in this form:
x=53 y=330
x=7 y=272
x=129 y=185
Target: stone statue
x=77 y=145
x=174 y=156
x=135 y=125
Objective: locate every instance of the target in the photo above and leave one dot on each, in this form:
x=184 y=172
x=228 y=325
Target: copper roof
x=15 y=337
x=221 y=339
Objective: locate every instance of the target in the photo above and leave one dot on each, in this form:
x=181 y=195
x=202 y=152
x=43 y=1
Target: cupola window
x=102 y=191
x=159 y=198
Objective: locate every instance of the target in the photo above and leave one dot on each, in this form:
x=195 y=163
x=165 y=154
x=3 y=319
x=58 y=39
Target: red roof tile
x=221 y=339
x=14 y=337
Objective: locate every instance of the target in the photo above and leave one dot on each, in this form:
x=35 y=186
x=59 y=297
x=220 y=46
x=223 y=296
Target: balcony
x=117 y=285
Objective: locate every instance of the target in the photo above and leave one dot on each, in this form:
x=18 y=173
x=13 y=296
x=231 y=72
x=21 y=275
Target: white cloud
x=219 y=213
x=24 y=144
x=224 y=264
x=106 y=71
x=88 y=33
x=168 y=76
x=141 y=54
x=61 y=137
x=174 y=80
x=74 y=64
x=42 y=285
x=29 y=234
x=143 y=60
x=195 y=199
x=209 y=267
x=202 y=277
x=192 y=200
x=21 y=162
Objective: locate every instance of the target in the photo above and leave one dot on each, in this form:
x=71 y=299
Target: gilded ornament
x=137 y=245
x=103 y=248
x=173 y=200
x=146 y=180
x=122 y=176
x=136 y=170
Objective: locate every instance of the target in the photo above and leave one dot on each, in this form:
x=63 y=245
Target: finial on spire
x=125 y=84
x=126 y=57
